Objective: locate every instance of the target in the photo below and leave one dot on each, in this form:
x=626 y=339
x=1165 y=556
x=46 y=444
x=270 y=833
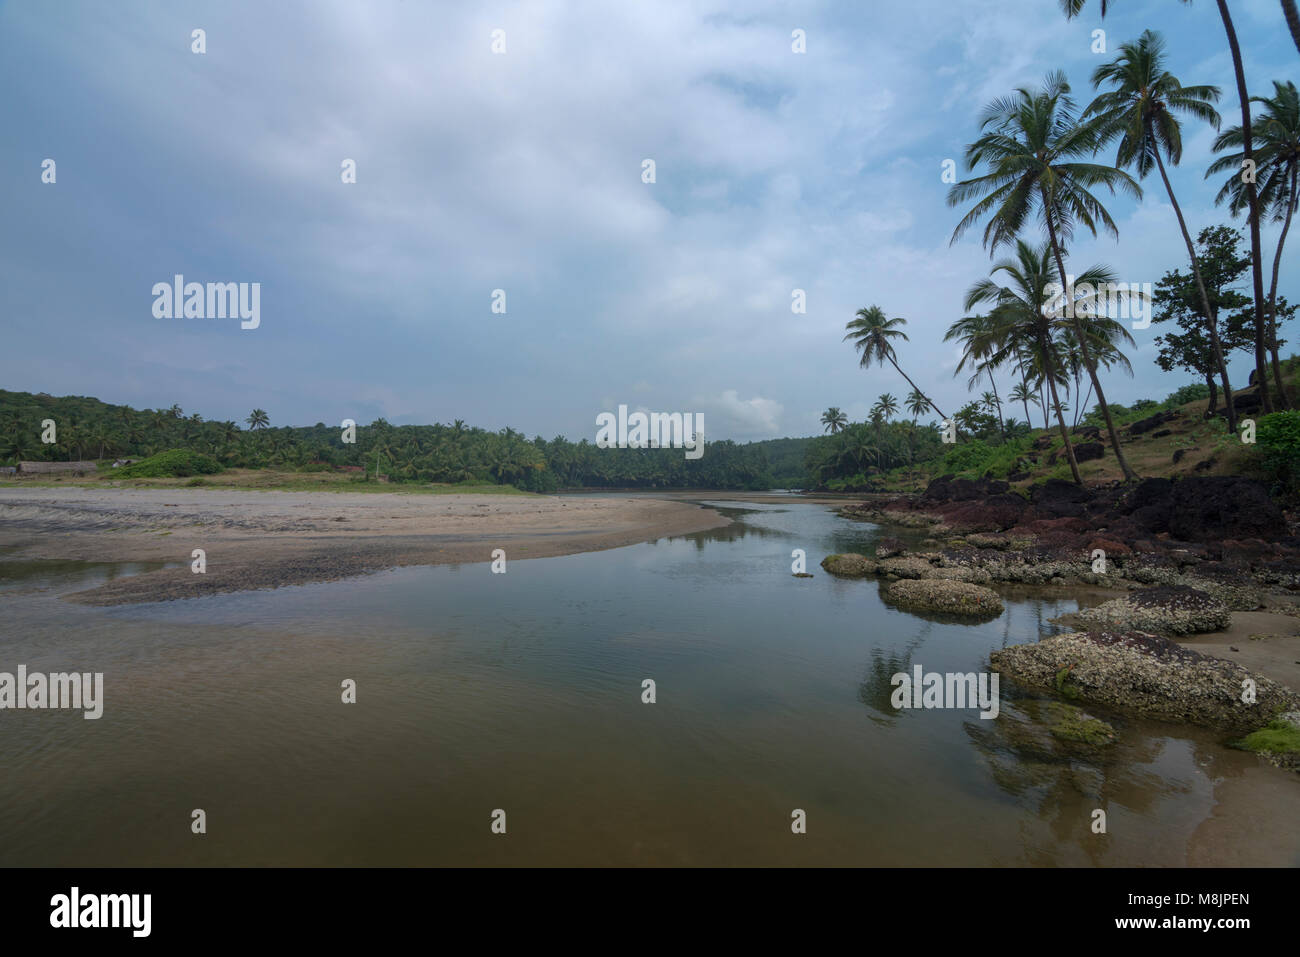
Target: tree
x=916 y=404
x=834 y=419
x=1178 y=299
x=258 y=419
x=887 y=405
x=1023 y=317
x=872 y=334
x=976 y=335
x=1072 y=9
x=1031 y=143
x=1141 y=112
x=1276 y=164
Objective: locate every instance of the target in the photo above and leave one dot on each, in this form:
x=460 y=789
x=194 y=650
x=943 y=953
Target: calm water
x=522 y=692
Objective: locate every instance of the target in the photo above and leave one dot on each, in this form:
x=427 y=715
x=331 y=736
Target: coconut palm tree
x=1031 y=143
x=887 y=405
x=976 y=335
x=258 y=419
x=1276 y=164
x=834 y=420
x=1020 y=392
x=1023 y=315
x=872 y=334
x=916 y=404
x=1140 y=111
x=1072 y=9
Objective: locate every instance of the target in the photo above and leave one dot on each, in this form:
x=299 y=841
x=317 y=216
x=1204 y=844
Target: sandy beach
x=264 y=539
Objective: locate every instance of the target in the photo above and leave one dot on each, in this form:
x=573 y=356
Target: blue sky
x=522 y=171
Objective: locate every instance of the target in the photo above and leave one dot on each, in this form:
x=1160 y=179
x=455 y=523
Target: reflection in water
x=523 y=691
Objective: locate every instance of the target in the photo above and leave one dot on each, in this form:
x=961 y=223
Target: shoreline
x=267 y=539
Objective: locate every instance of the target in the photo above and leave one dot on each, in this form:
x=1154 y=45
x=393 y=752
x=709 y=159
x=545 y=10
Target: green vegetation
x=171 y=464
x=1278 y=737
x=1277 y=439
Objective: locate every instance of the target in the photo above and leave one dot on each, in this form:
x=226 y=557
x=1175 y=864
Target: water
x=522 y=692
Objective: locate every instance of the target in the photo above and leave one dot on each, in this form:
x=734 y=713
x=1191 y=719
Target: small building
x=57 y=468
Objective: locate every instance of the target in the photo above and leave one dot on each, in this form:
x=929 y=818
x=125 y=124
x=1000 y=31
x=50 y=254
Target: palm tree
x=1277 y=162
x=1140 y=111
x=887 y=405
x=871 y=334
x=1030 y=143
x=834 y=420
x=1020 y=392
x=1072 y=8
x=258 y=420
x=916 y=404
x=1023 y=315
x=976 y=335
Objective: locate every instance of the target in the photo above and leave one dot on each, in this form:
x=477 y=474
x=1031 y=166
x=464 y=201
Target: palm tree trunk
x=1257 y=260
x=1282 y=401
x=1046 y=348
x=918 y=391
x=1211 y=318
x=997 y=399
x=1085 y=353
x=1292 y=21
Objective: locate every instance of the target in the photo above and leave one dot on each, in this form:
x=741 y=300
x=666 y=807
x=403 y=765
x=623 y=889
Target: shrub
x=1188 y=393
x=171 y=464
x=1277 y=440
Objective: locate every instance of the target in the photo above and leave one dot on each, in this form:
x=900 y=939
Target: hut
x=57 y=468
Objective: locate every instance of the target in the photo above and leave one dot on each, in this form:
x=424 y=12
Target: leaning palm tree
x=872 y=334
x=1072 y=8
x=834 y=420
x=1024 y=315
x=1141 y=112
x=1277 y=164
x=1031 y=144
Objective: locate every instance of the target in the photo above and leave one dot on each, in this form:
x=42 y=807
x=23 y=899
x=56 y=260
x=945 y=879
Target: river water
x=522 y=692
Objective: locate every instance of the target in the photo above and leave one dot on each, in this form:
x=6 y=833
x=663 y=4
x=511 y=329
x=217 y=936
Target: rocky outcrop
x=849 y=565
x=942 y=595
x=1148 y=675
x=1164 y=610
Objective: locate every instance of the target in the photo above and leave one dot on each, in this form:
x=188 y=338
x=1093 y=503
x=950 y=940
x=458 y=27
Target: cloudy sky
x=522 y=171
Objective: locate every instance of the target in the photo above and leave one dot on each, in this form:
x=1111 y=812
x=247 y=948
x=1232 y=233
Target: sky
x=522 y=171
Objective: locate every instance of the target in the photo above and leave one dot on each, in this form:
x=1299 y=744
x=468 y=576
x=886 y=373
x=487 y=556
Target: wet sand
x=265 y=539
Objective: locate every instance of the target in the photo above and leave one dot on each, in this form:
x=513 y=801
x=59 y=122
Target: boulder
x=1167 y=610
x=1146 y=674
x=849 y=565
x=1088 y=451
x=942 y=595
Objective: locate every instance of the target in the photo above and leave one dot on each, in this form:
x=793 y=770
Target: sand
x=264 y=539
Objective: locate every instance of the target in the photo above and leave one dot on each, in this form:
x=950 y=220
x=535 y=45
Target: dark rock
x=1087 y=451
x=1154 y=422
x=1057 y=498
x=1161 y=433
x=1218 y=507
x=1204 y=466
x=1088 y=431
x=1178 y=455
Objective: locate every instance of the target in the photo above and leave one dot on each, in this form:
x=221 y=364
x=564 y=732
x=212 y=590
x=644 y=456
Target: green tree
x=1031 y=144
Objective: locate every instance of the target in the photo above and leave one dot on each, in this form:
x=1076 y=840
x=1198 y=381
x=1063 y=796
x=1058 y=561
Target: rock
x=890 y=548
x=1212 y=508
x=942 y=595
x=1168 y=610
x=1088 y=431
x=1070 y=723
x=1204 y=465
x=1178 y=455
x=849 y=565
x=802 y=575
x=1148 y=675
x=1154 y=422
x=1088 y=451
x=1161 y=433
x=1017 y=476
x=1057 y=498
x=908 y=566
